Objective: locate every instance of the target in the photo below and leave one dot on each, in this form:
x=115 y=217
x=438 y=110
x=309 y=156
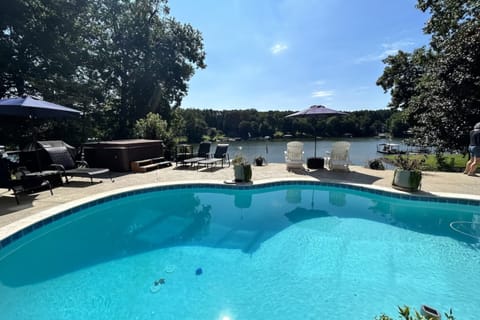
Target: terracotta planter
x=408 y=180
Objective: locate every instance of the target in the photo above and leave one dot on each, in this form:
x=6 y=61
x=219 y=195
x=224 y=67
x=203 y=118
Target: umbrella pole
x=37 y=156
x=35 y=139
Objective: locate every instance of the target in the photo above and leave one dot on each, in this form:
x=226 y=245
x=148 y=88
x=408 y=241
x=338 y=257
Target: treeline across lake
x=251 y=123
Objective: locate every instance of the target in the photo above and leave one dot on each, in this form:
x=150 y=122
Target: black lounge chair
x=202 y=154
x=24 y=184
x=62 y=160
x=220 y=155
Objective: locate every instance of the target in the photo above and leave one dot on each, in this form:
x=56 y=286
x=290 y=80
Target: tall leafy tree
x=116 y=60
x=401 y=75
x=40 y=45
x=439 y=87
x=145 y=57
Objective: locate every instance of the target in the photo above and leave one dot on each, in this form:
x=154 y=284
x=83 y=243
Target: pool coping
x=22 y=227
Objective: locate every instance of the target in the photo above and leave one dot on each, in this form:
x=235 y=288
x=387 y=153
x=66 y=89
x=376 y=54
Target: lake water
x=361 y=150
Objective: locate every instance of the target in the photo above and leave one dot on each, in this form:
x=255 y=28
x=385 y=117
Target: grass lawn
x=451 y=162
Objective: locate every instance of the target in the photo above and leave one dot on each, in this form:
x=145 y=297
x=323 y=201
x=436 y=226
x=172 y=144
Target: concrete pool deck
x=446 y=184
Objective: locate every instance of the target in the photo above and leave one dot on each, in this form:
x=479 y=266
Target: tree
x=177 y=124
x=145 y=57
x=152 y=127
x=398 y=125
x=401 y=75
x=441 y=97
x=195 y=125
x=41 y=46
x=115 y=59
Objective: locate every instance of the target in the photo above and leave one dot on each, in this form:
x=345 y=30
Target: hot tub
x=118 y=154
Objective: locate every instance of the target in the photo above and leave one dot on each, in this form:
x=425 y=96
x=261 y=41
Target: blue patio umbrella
x=29 y=107
x=316 y=111
x=32 y=108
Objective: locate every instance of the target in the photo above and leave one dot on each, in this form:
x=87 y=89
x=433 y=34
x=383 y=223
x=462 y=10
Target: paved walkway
x=433 y=183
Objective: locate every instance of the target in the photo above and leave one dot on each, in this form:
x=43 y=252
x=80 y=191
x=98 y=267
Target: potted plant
x=242 y=169
x=376 y=164
x=408 y=175
x=259 y=161
x=425 y=313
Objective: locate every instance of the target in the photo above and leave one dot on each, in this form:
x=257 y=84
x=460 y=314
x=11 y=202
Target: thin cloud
x=319 y=82
x=398 y=45
x=278 y=48
x=361 y=89
x=322 y=93
x=388 y=49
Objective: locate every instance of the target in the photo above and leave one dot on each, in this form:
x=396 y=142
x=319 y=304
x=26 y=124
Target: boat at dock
x=382 y=136
x=390 y=148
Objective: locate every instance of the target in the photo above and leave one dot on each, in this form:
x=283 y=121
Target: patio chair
x=220 y=155
x=338 y=158
x=202 y=154
x=63 y=161
x=22 y=184
x=294 y=155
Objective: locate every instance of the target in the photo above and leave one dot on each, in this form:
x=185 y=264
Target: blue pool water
x=293 y=251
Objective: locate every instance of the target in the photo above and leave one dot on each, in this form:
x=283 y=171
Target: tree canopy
x=438 y=87
x=113 y=59
x=250 y=123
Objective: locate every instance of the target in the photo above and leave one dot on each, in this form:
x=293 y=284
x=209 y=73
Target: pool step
x=149 y=164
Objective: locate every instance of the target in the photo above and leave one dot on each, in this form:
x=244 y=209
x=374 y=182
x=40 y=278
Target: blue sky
x=290 y=54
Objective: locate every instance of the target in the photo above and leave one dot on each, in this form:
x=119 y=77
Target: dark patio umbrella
x=32 y=108
x=316 y=111
x=28 y=107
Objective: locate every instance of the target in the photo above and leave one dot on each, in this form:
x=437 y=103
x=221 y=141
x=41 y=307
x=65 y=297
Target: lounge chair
x=338 y=158
x=22 y=184
x=63 y=161
x=294 y=155
x=220 y=155
x=202 y=154
x=182 y=153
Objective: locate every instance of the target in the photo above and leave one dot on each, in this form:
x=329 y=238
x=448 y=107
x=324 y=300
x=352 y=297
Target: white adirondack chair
x=338 y=158
x=294 y=155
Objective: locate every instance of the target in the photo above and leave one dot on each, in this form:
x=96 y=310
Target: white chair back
x=338 y=158
x=295 y=151
x=340 y=150
x=294 y=155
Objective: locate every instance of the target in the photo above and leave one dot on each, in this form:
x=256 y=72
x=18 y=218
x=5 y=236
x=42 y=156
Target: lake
x=361 y=149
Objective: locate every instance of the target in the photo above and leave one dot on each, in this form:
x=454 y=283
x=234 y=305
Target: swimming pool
x=285 y=250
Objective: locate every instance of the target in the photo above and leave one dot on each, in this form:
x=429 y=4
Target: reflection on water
x=337 y=198
x=218 y=218
x=300 y=214
x=243 y=199
x=293 y=196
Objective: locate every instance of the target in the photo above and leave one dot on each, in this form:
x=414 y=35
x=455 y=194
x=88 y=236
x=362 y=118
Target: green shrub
x=152 y=127
x=409 y=163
